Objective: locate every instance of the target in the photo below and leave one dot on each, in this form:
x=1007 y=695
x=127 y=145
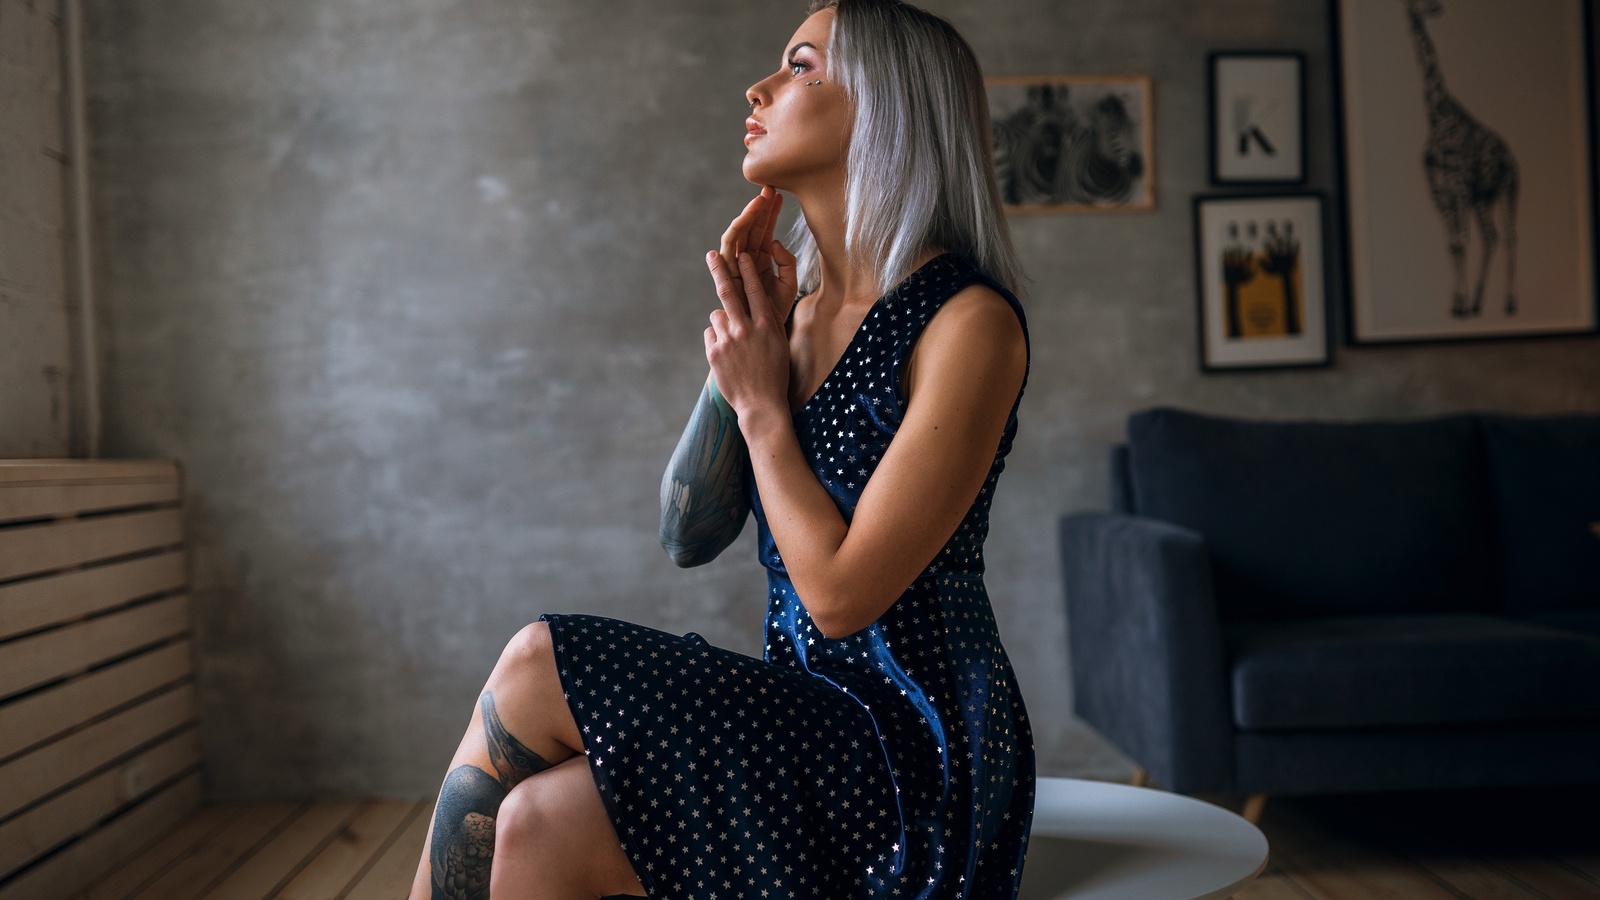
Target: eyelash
x=796 y=64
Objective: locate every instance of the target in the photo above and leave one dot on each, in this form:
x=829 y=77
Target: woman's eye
x=797 y=67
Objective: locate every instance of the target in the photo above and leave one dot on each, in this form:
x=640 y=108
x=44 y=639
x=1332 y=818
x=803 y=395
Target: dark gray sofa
x=1313 y=607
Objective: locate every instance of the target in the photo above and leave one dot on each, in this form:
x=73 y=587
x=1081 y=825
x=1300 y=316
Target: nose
x=755 y=95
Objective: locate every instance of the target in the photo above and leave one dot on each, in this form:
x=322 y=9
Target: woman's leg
x=521 y=727
x=546 y=823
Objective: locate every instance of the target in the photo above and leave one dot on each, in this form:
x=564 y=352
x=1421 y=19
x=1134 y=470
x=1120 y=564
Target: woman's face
x=798 y=132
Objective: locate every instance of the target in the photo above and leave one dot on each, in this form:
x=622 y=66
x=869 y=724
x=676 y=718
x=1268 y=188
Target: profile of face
x=798 y=130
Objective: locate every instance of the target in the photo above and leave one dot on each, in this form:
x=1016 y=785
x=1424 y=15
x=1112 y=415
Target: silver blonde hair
x=919 y=172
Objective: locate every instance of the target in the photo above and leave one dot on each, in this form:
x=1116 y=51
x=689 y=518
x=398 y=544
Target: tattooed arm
x=703 y=491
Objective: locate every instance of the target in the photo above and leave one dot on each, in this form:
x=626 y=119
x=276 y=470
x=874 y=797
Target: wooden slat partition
x=99 y=752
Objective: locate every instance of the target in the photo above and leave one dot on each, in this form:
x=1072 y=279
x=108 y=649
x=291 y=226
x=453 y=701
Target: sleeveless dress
x=896 y=762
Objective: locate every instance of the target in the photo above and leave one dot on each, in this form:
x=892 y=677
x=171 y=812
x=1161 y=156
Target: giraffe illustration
x=1470 y=171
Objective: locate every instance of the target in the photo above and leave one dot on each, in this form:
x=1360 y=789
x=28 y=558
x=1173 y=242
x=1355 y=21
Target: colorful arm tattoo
x=703 y=492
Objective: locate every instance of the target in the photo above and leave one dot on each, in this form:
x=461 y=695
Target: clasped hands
x=746 y=343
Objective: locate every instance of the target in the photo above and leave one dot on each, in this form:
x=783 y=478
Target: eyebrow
x=796 y=48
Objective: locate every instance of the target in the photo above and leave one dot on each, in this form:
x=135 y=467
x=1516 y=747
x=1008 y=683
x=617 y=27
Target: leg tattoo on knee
x=512 y=759
x=463 y=825
x=463 y=834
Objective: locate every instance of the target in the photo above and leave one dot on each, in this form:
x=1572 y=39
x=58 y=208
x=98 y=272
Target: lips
x=753 y=127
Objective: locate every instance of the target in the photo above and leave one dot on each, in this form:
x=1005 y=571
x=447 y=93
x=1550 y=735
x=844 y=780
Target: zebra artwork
x=1063 y=142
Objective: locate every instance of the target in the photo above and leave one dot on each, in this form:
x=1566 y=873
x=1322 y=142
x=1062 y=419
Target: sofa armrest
x=1147 y=658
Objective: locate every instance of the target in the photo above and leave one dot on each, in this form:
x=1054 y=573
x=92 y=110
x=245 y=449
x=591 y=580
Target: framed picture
x=1466 y=137
x=1262 y=281
x=1258 y=130
x=1074 y=143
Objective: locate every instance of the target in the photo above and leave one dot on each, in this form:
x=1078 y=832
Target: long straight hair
x=919 y=172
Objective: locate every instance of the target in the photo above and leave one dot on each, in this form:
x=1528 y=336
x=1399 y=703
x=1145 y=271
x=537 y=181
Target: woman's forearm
x=807 y=528
x=704 y=499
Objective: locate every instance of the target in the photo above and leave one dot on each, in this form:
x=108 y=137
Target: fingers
x=787 y=264
x=774 y=206
x=742 y=231
x=757 y=301
x=731 y=294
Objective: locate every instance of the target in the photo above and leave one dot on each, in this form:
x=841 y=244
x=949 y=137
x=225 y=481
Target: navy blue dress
x=893 y=762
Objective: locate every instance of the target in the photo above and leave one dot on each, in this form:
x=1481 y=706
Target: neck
x=1426 y=57
x=824 y=208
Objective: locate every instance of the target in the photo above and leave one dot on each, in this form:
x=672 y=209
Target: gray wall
x=35 y=351
x=413 y=289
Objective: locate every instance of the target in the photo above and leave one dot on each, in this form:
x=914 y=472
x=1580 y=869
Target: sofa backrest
x=1545 y=479
x=1306 y=519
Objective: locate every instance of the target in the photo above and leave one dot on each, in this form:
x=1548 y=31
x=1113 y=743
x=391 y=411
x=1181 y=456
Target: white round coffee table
x=1093 y=840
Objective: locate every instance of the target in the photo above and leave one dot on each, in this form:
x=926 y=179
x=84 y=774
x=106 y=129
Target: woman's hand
x=746 y=344
x=751 y=232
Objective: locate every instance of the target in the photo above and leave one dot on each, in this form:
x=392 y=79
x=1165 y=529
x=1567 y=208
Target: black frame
x=1199 y=200
x=1216 y=57
x=1341 y=173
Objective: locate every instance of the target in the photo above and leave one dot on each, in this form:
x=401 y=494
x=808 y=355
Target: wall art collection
x=1466 y=139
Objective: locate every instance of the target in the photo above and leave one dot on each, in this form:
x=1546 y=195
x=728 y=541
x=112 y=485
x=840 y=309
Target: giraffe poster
x=1261 y=276
x=1469 y=171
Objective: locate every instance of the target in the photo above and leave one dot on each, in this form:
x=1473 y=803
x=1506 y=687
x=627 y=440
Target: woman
x=881 y=749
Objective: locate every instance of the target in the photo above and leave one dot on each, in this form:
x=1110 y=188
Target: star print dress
x=896 y=762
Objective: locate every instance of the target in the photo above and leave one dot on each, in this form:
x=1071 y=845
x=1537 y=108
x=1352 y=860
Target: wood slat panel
x=55 y=599
x=30 y=549
x=41 y=501
x=290 y=850
x=75 y=812
x=40 y=773
x=44 y=657
x=148 y=865
x=391 y=875
x=350 y=852
x=219 y=854
x=23 y=471
x=48 y=713
x=79 y=865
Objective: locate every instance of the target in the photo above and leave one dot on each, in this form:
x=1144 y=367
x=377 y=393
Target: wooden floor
x=323 y=850
x=1477 y=845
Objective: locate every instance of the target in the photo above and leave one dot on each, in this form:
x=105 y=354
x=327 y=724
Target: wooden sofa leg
x=1141 y=778
x=1253 y=805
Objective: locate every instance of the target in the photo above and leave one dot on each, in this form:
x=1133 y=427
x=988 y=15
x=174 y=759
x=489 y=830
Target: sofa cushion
x=1360 y=671
x=1545 y=477
x=1309 y=519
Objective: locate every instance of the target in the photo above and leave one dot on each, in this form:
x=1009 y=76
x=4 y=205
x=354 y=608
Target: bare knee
x=529 y=654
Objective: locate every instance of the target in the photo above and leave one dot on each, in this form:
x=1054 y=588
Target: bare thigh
x=554 y=841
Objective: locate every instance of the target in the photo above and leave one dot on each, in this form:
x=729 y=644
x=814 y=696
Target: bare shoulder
x=978 y=322
x=975 y=340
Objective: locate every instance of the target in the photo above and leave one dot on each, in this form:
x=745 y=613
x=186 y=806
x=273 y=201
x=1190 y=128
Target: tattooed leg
x=463 y=827
x=521 y=727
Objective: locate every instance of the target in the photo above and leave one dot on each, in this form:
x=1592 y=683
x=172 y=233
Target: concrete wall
x=35 y=352
x=413 y=289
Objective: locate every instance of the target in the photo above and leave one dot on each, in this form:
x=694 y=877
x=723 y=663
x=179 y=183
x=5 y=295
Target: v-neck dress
x=896 y=762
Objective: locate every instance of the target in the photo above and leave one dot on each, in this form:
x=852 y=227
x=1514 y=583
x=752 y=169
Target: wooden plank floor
x=322 y=850
x=1460 y=845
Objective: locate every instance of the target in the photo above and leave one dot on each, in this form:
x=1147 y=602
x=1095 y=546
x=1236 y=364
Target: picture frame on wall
x=1074 y=143
x=1466 y=131
x=1262 y=281
x=1257 y=115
